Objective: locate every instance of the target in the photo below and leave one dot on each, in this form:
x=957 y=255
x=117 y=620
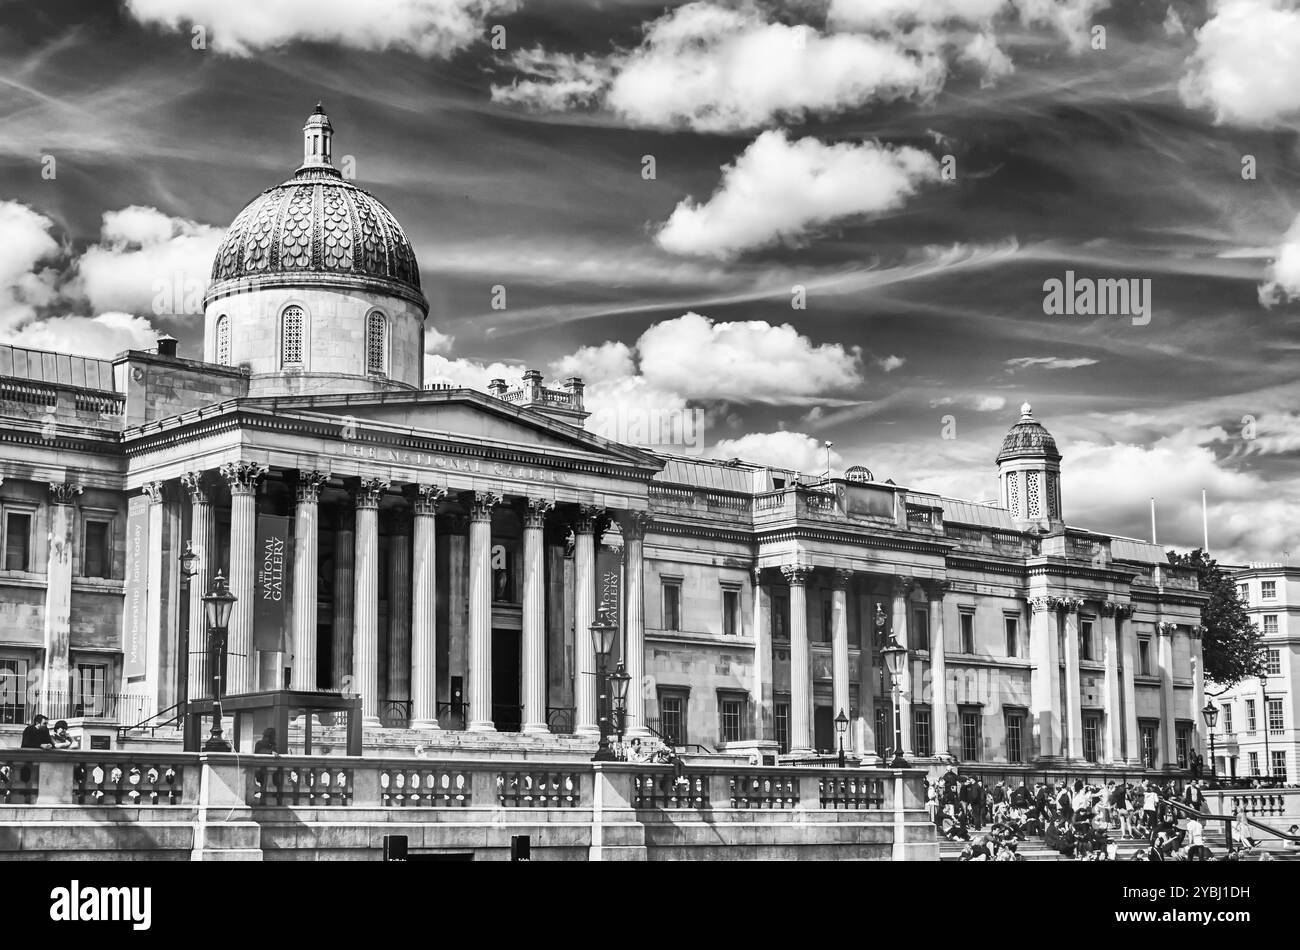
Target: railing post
x=366 y=790
x=810 y=794
x=53 y=777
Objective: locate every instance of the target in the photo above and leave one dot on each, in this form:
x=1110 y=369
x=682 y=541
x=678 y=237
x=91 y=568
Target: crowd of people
x=1081 y=820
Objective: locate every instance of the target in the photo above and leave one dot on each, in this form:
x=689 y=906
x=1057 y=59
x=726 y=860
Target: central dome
x=317 y=223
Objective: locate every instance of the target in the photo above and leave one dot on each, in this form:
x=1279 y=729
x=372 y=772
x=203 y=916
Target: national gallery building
x=444 y=552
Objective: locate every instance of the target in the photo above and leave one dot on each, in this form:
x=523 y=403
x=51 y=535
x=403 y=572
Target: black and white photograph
x=608 y=430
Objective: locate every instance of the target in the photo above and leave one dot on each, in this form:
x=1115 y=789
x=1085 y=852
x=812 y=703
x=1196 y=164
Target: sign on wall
x=271 y=584
x=609 y=592
x=135 y=640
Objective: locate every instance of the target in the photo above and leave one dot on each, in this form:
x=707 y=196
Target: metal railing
x=561 y=719
x=395 y=713
x=173 y=716
x=453 y=715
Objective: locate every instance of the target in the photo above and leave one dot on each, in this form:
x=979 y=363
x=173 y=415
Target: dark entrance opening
x=324 y=656
x=823 y=729
x=507 y=711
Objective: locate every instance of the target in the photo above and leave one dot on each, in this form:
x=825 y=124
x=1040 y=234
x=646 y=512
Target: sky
x=791 y=223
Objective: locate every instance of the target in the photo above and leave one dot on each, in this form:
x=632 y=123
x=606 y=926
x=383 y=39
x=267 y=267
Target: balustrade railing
x=125 y=783
x=20 y=781
x=425 y=788
x=539 y=789
x=669 y=790
x=852 y=791
x=764 y=791
x=299 y=783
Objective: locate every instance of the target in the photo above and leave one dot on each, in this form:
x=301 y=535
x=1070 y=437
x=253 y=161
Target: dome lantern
x=318 y=140
x=1029 y=474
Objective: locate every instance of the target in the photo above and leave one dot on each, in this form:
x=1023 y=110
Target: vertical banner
x=135 y=640
x=271 y=607
x=609 y=594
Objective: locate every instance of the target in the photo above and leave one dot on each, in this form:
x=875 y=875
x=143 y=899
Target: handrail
x=674 y=746
x=1270 y=829
x=153 y=727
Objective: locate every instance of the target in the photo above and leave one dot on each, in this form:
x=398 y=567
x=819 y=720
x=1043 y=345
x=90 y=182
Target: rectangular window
x=921 y=730
x=1148 y=730
x=1273 y=662
x=92 y=689
x=1243 y=592
x=672 y=717
x=97 y=550
x=1011 y=626
x=731 y=717
x=1085 y=642
x=1254 y=763
x=1270 y=623
x=1268 y=590
x=967 y=618
x=921 y=628
x=730 y=612
x=970 y=735
x=672 y=605
x=1279 y=764
x=1144 y=656
x=1015 y=737
x=781 y=721
x=780 y=617
x=1091 y=730
x=1250 y=715
x=13 y=691
x=1274 y=716
x=1227 y=719
x=18 y=541
x=1183 y=743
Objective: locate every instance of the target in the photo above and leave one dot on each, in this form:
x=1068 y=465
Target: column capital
x=1123 y=610
x=243 y=476
x=427 y=499
x=756 y=573
x=308 y=485
x=481 y=504
x=1071 y=605
x=1197 y=631
x=65 y=493
x=1108 y=608
x=902 y=586
x=587 y=519
x=533 y=511
x=1166 y=628
x=1040 y=605
x=840 y=578
x=198 y=485
x=370 y=492
x=634 y=524
x=938 y=587
x=796 y=575
x=154 y=490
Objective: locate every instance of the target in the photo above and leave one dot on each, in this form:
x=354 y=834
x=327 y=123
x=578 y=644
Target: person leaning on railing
x=37 y=735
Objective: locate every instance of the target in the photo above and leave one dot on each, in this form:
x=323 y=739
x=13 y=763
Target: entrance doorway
x=507 y=710
x=823 y=728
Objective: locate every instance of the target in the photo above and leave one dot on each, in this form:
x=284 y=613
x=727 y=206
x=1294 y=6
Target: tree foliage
x=1233 y=647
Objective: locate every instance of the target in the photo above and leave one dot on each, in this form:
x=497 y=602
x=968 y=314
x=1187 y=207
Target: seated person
x=59 y=737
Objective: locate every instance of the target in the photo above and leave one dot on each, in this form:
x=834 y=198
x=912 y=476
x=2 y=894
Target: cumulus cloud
x=468 y=374
x=147 y=262
x=27 y=243
x=1048 y=362
x=890 y=363
x=784 y=449
x=778 y=190
x=973 y=401
x=1284 y=273
x=103 y=336
x=984 y=52
x=427 y=27
x=1245 y=68
x=715 y=69
x=435 y=341
x=612 y=360
x=882 y=14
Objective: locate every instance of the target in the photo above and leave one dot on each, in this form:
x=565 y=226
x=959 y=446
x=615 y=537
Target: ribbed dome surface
x=1028 y=437
x=318 y=223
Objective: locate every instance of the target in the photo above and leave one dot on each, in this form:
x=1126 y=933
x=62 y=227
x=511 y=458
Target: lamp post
x=895 y=655
x=187 y=559
x=841 y=724
x=602 y=638
x=619 y=682
x=1211 y=715
x=217 y=604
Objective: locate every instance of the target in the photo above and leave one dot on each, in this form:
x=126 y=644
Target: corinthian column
x=796 y=575
x=344 y=591
x=840 y=644
x=533 y=514
x=424 y=625
x=761 y=685
x=1111 y=690
x=1073 y=701
x=365 y=599
x=938 y=670
x=306 y=557
x=584 y=615
x=203 y=543
x=898 y=627
x=399 y=616
x=242 y=478
x=634 y=525
x=58 y=589
x=481 y=504
x=1128 y=690
x=1165 y=657
x=1045 y=680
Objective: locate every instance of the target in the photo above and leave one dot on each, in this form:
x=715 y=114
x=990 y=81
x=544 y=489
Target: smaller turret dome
x=1028 y=438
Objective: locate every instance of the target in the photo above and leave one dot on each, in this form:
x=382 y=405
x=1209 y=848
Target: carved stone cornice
x=427 y=498
x=481 y=504
x=840 y=578
x=308 y=485
x=635 y=524
x=1044 y=604
x=243 y=476
x=796 y=575
x=65 y=493
x=533 y=511
x=197 y=484
x=370 y=492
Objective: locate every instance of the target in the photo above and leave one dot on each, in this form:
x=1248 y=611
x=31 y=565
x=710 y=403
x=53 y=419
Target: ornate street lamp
x=895 y=655
x=841 y=725
x=217 y=605
x=187 y=559
x=619 y=682
x=1211 y=715
x=602 y=638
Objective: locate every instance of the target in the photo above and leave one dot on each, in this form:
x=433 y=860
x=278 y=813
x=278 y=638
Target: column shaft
x=56 y=678
x=761 y=683
x=424 y=622
x=584 y=615
x=306 y=554
x=840 y=700
x=938 y=672
x=1111 y=696
x=801 y=739
x=1045 y=690
x=1073 y=700
x=534 y=616
x=365 y=600
x=1165 y=653
x=344 y=592
x=399 y=614
x=243 y=478
x=634 y=526
x=480 y=612
x=203 y=541
x=898 y=626
x=1128 y=656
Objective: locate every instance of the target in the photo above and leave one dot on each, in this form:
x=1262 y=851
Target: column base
x=482 y=725
x=427 y=725
x=637 y=732
x=535 y=728
x=587 y=729
x=371 y=722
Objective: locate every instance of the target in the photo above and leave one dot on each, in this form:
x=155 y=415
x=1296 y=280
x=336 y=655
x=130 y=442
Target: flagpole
x=1205 y=525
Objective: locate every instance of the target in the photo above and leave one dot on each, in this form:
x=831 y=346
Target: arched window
x=223 y=340
x=291 y=336
x=376 y=343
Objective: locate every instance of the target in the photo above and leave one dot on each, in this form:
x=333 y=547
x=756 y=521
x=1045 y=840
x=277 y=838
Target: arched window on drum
x=291 y=332
x=376 y=343
x=223 y=340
